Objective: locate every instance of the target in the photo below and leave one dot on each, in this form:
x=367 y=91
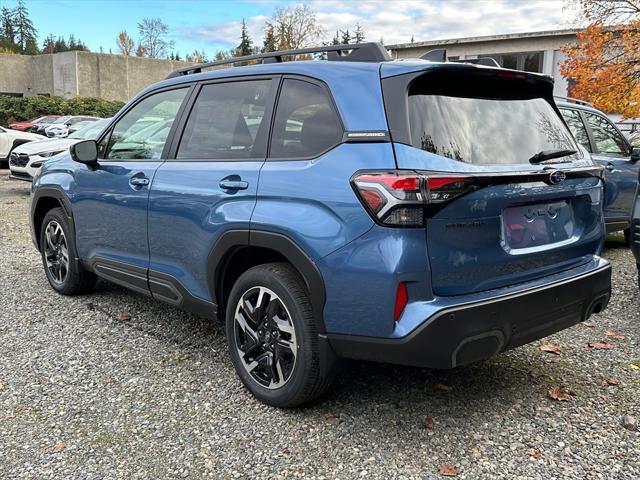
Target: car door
x=208 y=185
x=611 y=150
x=111 y=200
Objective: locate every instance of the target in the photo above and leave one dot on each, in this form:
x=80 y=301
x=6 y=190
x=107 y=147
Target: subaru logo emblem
x=557 y=176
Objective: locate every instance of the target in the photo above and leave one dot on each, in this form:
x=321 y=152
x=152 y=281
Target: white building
x=533 y=51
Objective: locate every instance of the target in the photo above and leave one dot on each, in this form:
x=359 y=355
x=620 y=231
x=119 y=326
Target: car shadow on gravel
x=361 y=389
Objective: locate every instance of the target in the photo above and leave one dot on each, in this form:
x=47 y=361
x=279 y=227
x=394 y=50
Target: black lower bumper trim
x=476 y=331
x=21 y=176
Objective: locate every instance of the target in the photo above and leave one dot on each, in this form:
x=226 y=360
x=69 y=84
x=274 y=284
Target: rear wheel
x=273 y=341
x=65 y=274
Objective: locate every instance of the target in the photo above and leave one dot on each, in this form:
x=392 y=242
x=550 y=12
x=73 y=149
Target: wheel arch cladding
x=238 y=250
x=46 y=199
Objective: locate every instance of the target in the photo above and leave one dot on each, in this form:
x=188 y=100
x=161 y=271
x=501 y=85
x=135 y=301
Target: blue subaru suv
x=415 y=212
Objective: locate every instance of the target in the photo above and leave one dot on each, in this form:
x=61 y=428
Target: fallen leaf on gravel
x=534 y=453
x=448 y=470
x=551 y=348
x=633 y=366
x=559 y=393
x=428 y=423
x=331 y=418
x=614 y=335
x=440 y=387
x=630 y=423
x=59 y=446
x=122 y=317
x=600 y=345
x=612 y=381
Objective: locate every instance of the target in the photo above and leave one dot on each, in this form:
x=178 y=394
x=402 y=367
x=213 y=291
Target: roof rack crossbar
x=359 y=52
x=574 y=100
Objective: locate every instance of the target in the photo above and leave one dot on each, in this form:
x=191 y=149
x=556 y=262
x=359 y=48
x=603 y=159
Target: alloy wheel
x=265 y=337
x=56 y=252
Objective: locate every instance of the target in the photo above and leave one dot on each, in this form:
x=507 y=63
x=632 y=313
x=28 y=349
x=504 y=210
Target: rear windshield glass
x=487 y=131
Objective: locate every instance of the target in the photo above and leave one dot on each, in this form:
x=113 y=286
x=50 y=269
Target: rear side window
x=605 y=136
x=306 y=124
x=574 y=122
x=227 y=122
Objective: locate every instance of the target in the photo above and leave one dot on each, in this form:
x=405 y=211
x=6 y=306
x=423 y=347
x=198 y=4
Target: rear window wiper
x=551 y=154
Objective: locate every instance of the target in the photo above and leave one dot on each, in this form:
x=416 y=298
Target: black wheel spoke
x=56 y=252
x=265 y=337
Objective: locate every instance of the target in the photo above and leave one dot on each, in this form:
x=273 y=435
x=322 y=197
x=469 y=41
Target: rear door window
x=228 y=121
x=578 y=130
x=306 y=123
x=606 y=137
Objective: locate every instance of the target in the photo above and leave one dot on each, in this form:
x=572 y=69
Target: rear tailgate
x=494 y=218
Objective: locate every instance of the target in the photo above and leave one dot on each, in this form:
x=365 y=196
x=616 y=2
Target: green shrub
x=18 y=109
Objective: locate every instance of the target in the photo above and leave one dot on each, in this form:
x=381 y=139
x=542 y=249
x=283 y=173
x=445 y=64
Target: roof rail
x=574 y=100
x=440 y=55
x=360 y=52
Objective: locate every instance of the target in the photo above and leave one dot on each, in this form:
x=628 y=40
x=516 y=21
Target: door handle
x=610 y=167
x=233 y=184
x=139 y=181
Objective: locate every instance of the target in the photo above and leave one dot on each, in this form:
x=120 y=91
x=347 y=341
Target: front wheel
x=273 y=340
x=64 y=272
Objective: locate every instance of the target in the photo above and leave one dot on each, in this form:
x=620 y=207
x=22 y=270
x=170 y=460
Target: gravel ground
x=83 y=395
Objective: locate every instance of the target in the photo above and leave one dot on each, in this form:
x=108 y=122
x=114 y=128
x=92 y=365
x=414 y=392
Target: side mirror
x=85 y=152
x=635 y=154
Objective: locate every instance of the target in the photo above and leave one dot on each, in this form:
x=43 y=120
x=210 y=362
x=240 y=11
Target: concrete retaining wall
x=71 y=74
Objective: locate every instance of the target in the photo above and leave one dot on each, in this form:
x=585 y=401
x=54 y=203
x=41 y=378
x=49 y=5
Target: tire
x=66 y=277
x=627 y=236
x=292 y=379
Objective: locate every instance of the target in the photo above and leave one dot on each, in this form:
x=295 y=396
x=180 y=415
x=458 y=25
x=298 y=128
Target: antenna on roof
x=440 y=55
x=437 y=55
x=358 y=52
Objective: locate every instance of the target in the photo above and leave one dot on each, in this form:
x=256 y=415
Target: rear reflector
x=401 y=300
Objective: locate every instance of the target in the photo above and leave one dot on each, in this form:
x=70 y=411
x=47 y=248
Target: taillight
x=399 y=198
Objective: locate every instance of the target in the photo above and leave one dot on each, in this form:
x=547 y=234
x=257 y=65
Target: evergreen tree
x=246 y=45
x=6 y=25
x=31 y=47
x=269 y=42
x=346 y=37
x=359 y=34
x=336 y=39
x=23 y=28
x=60 y=45
x=49 y=44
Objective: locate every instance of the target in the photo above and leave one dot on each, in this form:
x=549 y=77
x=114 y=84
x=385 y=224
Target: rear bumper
x=474 y=331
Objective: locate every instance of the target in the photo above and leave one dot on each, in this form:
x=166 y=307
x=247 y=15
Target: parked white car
x=27 y=159
x=10 y=139
x=60 y=128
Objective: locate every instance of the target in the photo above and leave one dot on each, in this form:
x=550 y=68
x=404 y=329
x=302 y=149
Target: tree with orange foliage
x=605 y=63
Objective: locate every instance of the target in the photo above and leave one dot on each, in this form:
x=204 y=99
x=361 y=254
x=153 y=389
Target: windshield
x=90 y=131
x=61 y=120
x=487 y=131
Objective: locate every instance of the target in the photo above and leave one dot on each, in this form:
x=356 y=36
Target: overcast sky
x=215 y=24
